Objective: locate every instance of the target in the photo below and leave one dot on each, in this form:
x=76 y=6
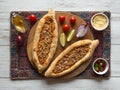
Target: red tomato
x=66 y=28
x=32 y=18
x=61 y=18
x=98 y=61
x=72 y=20
x=104 y=65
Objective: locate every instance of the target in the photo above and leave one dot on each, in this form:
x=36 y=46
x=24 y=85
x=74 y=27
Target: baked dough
x=92 y=44
x=45 y=41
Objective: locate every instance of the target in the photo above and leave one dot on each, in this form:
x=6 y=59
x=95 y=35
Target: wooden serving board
x=20 y=65
x=79 y=21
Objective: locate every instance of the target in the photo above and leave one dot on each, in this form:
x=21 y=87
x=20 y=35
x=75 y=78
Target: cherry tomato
x=32 y=18
x=104 y=65
x=61 y=18
x=72 y=20
x=98 y=61
x=66 y=28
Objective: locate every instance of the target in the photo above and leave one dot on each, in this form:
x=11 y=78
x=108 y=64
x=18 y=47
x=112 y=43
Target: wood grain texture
x=82 y=84
x=6 y=6
x=59 y=49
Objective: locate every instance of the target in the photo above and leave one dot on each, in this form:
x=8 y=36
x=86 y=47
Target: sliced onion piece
x=82 y=30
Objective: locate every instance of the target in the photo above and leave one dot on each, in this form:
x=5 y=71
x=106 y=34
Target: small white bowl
x=106 y=68
x=99 y=29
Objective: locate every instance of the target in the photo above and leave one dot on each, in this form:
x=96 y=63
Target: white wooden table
x=74 y=5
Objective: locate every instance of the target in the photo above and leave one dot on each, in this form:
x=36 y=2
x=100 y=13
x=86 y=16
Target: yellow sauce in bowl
x=99 y=21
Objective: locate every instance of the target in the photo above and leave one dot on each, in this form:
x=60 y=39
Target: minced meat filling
x=45 y=40
x=71 y=58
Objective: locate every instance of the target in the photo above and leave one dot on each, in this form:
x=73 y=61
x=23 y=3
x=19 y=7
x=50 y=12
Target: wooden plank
x=74 y=84
x=59 y=5
x=4 y=37
x=5 y=61
x=115 y=26
x=8 y=5
x=115 y=31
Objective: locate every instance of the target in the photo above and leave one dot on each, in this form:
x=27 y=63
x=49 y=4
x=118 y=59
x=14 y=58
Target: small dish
x=19 y=23
x=100 y=66
x=99 y=21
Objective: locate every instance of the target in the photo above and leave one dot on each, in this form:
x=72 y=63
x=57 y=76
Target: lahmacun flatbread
x=45 y=41
x=72 y=57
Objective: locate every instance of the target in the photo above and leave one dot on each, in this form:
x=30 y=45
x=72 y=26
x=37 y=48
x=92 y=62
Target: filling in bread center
x=71 y=58
x=45 y=40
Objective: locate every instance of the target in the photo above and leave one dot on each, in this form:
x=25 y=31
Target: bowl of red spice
x=100 y=66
